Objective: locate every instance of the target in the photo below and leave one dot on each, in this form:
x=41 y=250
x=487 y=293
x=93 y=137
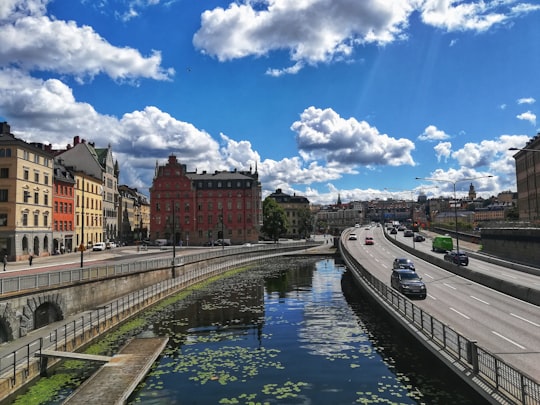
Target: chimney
x=76 y=140
x=4 y=128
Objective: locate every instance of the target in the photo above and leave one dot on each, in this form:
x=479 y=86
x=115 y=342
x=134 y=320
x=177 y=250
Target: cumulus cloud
x=443 y=150
x=432 y=133
x=323 y=134
x=322 y=31
x=462 y=177
x=32 y=41
x=527 y=116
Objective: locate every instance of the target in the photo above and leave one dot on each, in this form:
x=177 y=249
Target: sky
x=324 y=98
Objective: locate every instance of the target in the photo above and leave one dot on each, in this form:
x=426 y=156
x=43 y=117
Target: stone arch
x=8 y=321
x=52 y=311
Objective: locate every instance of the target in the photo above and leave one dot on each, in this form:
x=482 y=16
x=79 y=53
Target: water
x=295 y=331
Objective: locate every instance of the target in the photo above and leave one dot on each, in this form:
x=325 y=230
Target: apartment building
x=193 y=208
x=63 y=219
x=26 y=197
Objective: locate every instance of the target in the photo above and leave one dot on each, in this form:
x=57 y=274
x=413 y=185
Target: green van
x=442 y=244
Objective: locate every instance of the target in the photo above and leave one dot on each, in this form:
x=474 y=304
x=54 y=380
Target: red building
x=63 y=212
x=207 y=206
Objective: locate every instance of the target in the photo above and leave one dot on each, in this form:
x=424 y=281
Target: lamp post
x=455 y=200
x=82 y=247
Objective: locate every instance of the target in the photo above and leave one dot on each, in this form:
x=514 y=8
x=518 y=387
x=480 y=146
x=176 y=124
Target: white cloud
x=36 y=42
x=323 y=134
x=526 y=100
x=431 y=133
x=443 y=150
x=527 y=116
x=322 y=31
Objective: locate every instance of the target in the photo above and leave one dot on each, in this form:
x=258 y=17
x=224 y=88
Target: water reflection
x=294 y=331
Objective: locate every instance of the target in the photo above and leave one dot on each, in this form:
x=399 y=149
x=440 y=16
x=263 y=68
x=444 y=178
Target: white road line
x=525 y=319
x=508 y=340
x=428 y=275
x=449 y=286
x=459 y=313
x=478 y=299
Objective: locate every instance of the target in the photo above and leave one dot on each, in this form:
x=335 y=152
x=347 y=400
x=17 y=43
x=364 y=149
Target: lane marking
x=525 y=319
x=449 y=286
x=459 y=313
x=508 y=340
x=478 y=299
x=428 y=275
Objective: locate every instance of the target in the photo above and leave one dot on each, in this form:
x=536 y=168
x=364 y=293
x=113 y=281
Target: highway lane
x=499 y=323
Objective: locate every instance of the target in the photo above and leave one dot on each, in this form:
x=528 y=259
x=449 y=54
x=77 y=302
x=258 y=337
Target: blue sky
x=324 y=97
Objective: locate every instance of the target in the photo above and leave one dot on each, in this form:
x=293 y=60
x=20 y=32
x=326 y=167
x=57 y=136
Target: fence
x=21 y=364
x=494 y=373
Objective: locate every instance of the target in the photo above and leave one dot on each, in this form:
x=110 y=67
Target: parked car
x=99 y=246
x=403 y=263
x=369 y=240
x=353 y=236
x=408 y=233
x=419 y=238
x=408 y=283
x=110 y=245
x=460 y=258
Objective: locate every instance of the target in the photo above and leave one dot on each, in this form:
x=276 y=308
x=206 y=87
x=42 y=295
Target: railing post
x=472 y=357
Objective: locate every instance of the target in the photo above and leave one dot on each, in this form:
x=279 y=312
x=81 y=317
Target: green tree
x=305 y=222
x=274 y=219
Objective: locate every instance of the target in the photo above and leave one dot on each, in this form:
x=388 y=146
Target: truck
x=442 y=244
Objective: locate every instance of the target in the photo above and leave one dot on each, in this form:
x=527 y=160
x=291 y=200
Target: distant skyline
x=324 y=97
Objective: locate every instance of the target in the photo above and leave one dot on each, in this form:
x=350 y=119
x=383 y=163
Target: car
x=460 y=258
x=408 y=233
x=393 y=231
x=353 y=236
x=403 y=263
x=369 y=240
x=99 y=246
x=419 y=238
x=110 y=245
x=408 y=283
x=357 y=225
x=401 y=228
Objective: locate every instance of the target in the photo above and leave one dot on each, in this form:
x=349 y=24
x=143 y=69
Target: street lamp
x=455 y=199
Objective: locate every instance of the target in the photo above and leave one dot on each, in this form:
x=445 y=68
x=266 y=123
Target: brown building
x=63 y=212
x=206 y=206
x=528 y=180
x=294 y=207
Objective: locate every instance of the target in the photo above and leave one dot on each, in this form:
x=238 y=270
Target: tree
x=274 y=219
x=305 y=222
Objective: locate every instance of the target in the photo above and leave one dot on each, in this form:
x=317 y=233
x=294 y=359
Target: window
x=4 y=172
x=36 y=177
x=36 y=158
x=26 y=155
x=45 y=220
x=36 y=219
x=3 y=195
x=3 y=219
x=55 y=225
x=46 y=179
x=46 y=199
x=25 y=219
x=26 y=196
x=36 y=198
x=5 y=152
x=26 y=174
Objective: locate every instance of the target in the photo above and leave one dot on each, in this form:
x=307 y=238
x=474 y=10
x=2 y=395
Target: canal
x=292 y=331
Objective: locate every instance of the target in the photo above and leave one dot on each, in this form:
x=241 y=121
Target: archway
x=25 y=244
x=36 y=246
x=45 y=314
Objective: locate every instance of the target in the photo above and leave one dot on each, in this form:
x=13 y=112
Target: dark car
x=460 y=258
x=419 y=238
x=408 y=283
x=403 y=263
x=408 y=233
x=393 y=231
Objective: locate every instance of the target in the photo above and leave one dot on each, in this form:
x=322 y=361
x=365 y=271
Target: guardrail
x=19 y=365
x=61 y=277
x=504 y=379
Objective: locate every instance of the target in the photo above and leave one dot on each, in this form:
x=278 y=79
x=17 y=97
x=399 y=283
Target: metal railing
x=506 y=380
x=63 y=277
x=74 y=334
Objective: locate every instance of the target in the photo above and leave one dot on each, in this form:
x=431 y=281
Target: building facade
x=294 y=207
x=133 y=215
x=63 y=218
x=528 y=181
x=88 y=210
x=26 y=197
x=190 y=208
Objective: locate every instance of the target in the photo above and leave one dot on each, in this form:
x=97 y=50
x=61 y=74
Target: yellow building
x=88 y=209
x=26 y=194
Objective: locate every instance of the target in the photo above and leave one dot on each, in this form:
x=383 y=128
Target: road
x=501 y=324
